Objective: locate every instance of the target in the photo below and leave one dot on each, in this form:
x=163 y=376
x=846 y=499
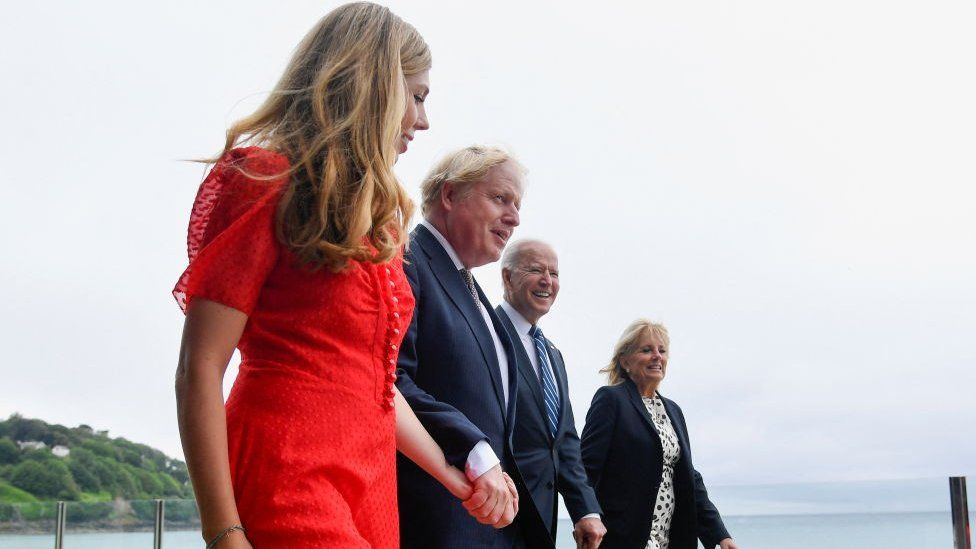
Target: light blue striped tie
x=549 y=393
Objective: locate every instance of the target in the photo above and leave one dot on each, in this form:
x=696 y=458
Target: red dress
x=310 y=420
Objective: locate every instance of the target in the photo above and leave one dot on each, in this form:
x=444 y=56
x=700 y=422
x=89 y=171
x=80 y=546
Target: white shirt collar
x=522 y=326
x=447 y=245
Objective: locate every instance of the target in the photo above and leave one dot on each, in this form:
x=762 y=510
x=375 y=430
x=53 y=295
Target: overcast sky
x=788 y=186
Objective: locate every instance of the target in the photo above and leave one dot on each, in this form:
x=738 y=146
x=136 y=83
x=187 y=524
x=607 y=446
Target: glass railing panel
x=894 y=514
x=182 y=525
x=27 y=525
x=108 y=524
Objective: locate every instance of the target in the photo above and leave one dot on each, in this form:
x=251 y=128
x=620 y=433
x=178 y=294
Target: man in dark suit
x=547 y=448
x=457 y=366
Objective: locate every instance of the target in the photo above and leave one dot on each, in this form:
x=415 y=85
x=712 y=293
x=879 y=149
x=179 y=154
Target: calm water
x=849 y=531
x=838 y=531
x=136 y=540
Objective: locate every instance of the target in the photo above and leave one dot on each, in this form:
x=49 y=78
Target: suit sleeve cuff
x=481 y=458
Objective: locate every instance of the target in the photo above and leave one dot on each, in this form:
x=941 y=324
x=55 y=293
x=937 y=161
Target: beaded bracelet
x=213 y=543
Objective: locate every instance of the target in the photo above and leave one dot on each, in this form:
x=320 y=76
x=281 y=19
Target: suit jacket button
x=549 y=485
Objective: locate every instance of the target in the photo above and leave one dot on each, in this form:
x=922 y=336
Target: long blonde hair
x=336 y=115
x=626 y=345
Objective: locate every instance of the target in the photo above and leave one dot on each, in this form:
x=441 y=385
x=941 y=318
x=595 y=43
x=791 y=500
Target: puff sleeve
x=231 y=240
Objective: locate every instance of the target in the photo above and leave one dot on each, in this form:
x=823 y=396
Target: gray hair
x=462 y=168
x=513 y=252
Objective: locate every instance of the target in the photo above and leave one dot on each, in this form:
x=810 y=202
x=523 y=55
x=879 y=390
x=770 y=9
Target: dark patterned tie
x=549 y=393
x=469 y=282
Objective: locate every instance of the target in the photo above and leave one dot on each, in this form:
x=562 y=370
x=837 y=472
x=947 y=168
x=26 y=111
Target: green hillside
x=96 y=467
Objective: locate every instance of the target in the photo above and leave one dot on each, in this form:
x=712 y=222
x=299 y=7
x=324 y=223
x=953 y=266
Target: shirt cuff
x=481 y=458
x=591 y=515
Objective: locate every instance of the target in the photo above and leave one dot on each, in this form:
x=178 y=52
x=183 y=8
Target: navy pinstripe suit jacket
x=448 y=371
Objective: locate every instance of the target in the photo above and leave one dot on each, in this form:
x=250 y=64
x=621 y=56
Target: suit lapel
x=523 y=360
x=450 y=280
x=638 y=403
x=509 y=347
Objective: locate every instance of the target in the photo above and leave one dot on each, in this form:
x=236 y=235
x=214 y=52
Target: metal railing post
x=960 y=513
x=59 y=527
x=158 y=528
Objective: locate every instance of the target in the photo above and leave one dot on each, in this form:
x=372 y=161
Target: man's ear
x=506 y=278
x=449 y=196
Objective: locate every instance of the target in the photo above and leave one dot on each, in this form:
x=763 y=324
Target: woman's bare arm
x=415 y=442
x=210 y=334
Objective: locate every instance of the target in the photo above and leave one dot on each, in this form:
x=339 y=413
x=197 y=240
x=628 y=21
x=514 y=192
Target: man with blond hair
x=457 y=366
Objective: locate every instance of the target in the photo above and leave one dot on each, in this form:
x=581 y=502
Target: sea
x=912 y=514
x=847 y=531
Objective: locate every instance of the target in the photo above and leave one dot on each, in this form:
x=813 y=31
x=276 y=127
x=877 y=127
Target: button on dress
x=310 y=420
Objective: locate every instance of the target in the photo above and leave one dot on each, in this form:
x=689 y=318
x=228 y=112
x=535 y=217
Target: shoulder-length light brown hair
x=336 y=115
x=628 y=344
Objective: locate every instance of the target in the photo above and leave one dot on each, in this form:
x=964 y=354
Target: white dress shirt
x=481 y=458
x=522 y=326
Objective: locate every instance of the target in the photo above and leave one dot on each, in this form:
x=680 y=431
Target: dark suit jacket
x=548 y=464
x=448 y=371
x=624 y=461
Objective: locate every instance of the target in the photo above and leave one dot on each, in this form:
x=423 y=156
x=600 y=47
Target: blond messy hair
x=462 y=169
x=626 y=345
x=336 y=115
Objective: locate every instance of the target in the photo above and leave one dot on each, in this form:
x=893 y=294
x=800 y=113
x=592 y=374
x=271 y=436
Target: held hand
x=728 y=543
x=588 y=533
x=491 y=499
x=515 y=497
x=455 y=481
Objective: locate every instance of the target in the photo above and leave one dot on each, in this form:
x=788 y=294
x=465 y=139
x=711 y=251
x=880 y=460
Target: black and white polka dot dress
x=664 y=503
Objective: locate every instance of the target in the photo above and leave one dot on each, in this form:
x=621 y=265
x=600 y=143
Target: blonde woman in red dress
x=295 y=245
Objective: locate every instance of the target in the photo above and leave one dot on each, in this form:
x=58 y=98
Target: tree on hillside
x=28 y=429
x=42 y=455
x=9 y=452
x=87 y=480
x=106 y=477
x=60 y=439
x=101 y=447
x=96 y=463
x=47 y=480
x=83 y=466
x=171 y=488
x=148 y=481
x=131 y=457
x=113 y=478
x=178 y=472
x=128 y=486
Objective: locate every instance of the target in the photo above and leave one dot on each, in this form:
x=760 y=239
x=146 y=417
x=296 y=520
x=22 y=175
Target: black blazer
x=624 y=461
x=448 y=371
x=548 y=464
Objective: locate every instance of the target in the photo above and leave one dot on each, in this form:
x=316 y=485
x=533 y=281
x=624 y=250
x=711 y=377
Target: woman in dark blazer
x=637 y=455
